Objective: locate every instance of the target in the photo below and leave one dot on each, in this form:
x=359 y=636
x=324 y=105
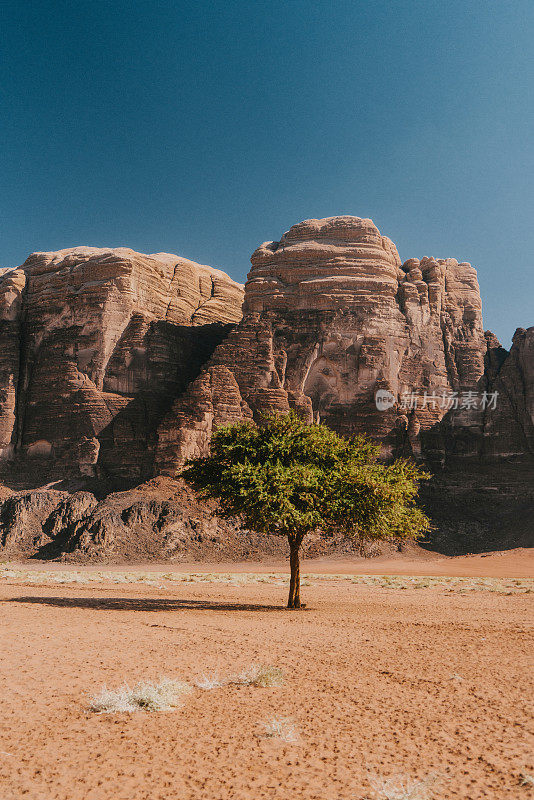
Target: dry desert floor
x=422 y=681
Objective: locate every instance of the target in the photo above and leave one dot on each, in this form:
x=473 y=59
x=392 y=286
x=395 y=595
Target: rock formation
x=12 y=283
x=161 y=520
x=331 y=317
x=115 y=367
x=94 y=343
x=509 y=427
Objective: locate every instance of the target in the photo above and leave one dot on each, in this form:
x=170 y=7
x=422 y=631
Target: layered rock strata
x=115 y=366
x=332 y=316
x=94 y=345
x=12 y=283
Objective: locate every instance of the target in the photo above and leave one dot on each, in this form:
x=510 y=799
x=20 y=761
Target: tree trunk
x=294 y=583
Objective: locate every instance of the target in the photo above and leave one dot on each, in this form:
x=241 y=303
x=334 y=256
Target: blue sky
x=204 y=128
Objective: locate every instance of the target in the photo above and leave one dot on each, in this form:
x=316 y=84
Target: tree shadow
x=140 y=604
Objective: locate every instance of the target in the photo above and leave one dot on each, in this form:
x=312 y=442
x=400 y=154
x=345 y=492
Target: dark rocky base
x=161 y=520
x=479 y=507
x=474 y=509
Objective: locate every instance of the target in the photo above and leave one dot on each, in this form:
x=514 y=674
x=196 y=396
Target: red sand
x=378 y=681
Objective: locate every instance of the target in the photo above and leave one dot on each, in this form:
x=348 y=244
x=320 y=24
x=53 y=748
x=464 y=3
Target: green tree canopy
x=288 y=478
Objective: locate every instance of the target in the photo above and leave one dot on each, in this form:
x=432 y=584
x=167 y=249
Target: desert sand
x=429 y=683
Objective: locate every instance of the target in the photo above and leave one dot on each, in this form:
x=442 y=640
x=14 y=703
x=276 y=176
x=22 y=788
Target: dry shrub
x=402 y=788
x=145 y=696
x=281 y=728
x=210 y=680
x=260 y=675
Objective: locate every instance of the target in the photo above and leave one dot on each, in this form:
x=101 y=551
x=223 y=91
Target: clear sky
x=204 y=128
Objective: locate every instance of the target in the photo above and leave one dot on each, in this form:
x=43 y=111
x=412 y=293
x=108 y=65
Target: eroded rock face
x=331 y=316
x=509 y=426
x=115 y=366
x=94 y=343
x=12 y=284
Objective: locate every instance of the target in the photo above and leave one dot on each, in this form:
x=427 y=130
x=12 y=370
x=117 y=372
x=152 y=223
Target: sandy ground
x=516 y=563
x=411 y=682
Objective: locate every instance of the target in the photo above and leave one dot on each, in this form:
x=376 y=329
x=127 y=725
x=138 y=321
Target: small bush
x=260 y=675
x=144 y=696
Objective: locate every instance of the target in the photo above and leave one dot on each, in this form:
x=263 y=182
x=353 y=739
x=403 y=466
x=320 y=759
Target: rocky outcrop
x=500 y=424
x=161 y=520
x=331 y=318
x=116 y=367
x=22 y=517
x=94 y=345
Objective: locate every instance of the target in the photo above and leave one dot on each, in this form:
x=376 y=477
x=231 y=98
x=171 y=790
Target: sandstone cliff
x=509 y=427
x=115 y=367
x=94 y=344
x=12 y=283
x=331 y=316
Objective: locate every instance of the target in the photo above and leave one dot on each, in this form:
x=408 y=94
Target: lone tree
x=288 y=478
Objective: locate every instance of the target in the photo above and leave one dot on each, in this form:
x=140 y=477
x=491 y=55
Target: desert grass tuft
x=210 y=680
x=282 y=728
x=505 y=586
x=401 y=788
x=144 y=696
x=261 y=675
